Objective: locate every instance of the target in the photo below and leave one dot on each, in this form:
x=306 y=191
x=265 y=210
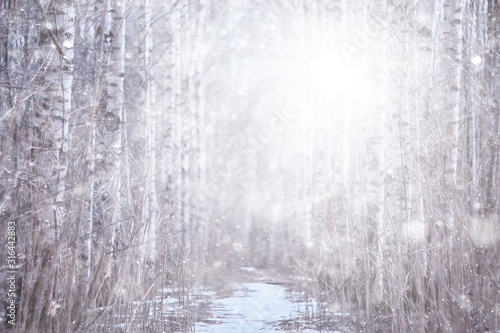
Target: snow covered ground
x=254 y=307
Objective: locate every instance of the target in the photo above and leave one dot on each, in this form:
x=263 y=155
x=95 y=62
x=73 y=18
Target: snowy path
x=254 y=307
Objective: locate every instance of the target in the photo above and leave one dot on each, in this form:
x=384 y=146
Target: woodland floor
x=243 y=299
x=261 y=300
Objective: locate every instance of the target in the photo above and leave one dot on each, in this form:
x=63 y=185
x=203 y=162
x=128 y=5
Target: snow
x=247 y=268
x=254 y=307
x=336 y=142
x=476 y=60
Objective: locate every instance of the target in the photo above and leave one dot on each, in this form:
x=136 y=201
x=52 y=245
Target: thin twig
x=51 y=34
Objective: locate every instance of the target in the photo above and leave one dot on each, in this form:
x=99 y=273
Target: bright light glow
x=331 y=75
x=333 y=81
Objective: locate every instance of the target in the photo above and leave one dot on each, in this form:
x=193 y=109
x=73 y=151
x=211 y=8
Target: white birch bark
x=54 y=107
x=120 y=188
x=55 y=100
x=177 y=129
x=150 y=209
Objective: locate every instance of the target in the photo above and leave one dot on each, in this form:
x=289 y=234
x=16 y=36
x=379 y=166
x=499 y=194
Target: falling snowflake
x=476 y=60
x=53 y=306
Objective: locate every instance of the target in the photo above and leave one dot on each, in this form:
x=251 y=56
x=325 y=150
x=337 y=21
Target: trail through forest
x=249 y=165
x=268 y=305
x=253 y=307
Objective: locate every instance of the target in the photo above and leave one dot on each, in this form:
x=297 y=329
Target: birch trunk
x=116 y=114
x=54 y=106
x=150 y=208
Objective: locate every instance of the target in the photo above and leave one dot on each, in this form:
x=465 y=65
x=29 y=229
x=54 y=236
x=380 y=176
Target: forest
x=250 y=166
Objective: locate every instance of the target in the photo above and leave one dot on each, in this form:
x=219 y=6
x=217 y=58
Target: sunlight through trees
x=346 y=149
